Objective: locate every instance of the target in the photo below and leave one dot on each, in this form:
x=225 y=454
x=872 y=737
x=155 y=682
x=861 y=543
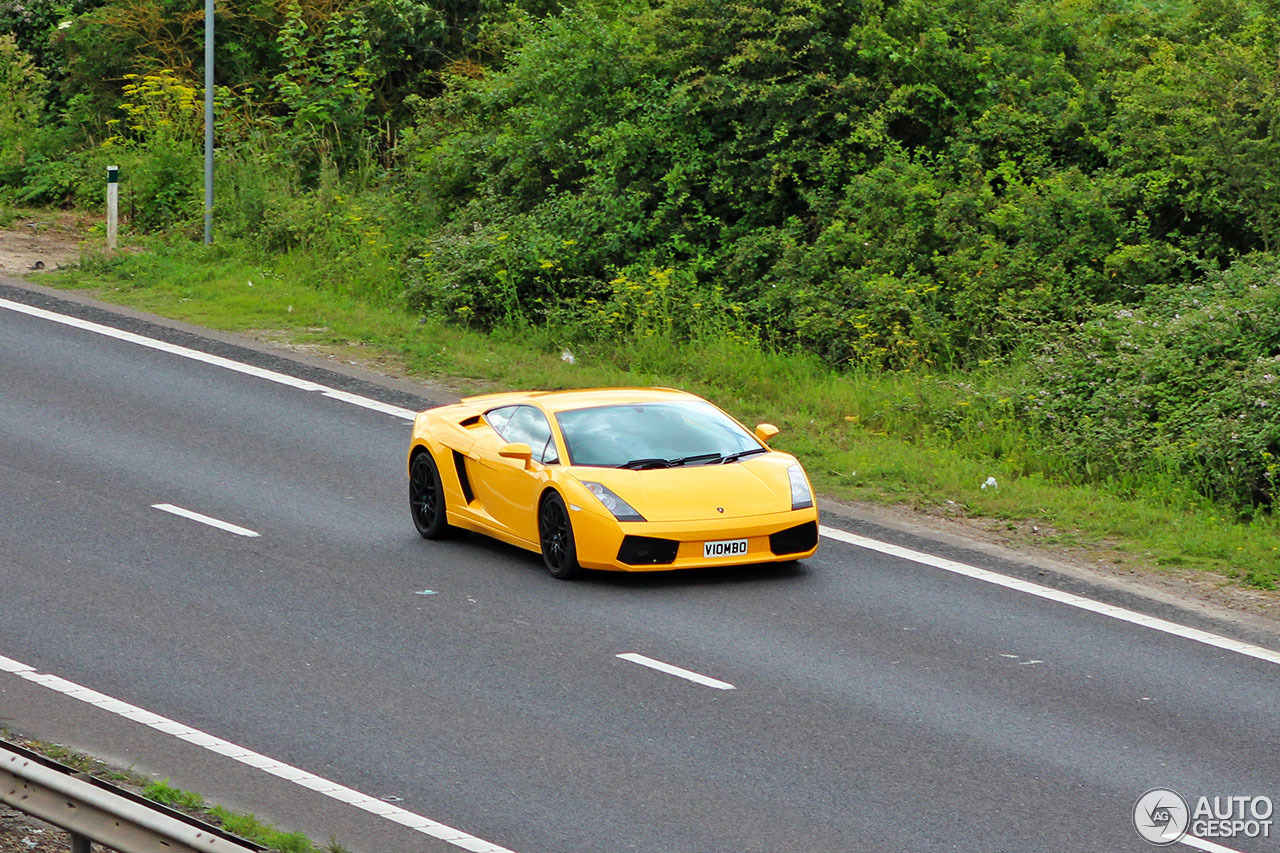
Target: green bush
x=1188 y=384
x=22 y=93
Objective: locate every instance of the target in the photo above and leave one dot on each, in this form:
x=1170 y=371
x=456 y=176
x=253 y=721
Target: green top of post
x=113 y=174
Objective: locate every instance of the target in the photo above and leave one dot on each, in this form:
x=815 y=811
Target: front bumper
x=642 y=546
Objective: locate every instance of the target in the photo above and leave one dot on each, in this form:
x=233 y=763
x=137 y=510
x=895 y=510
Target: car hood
x=753 y=486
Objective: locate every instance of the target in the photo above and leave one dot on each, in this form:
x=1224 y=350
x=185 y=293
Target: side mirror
x=520 y=451
x=764 y=432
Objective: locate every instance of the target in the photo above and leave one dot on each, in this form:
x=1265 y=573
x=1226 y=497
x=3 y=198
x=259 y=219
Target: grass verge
x=878 y=438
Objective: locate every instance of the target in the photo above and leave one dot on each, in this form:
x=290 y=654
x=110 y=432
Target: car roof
x=582 y=398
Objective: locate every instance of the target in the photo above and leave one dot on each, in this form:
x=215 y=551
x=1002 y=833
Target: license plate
x=724 y=548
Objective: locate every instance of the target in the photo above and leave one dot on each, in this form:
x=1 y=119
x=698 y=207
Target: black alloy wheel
x=426 y=498
x=556 y=535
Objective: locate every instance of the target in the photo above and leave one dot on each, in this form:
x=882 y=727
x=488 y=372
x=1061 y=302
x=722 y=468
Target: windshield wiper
x=641 y=464
x=734 y=457
x=701 y=457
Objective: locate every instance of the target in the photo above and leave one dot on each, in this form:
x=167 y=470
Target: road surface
x=877 y=703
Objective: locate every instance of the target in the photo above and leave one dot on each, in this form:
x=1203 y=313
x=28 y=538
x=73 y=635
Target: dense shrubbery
x=886 y=184
x=1066 y=189
x=1189 y=383
x=22 y=93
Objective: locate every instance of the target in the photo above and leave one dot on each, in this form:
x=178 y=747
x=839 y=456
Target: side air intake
x=459 y=463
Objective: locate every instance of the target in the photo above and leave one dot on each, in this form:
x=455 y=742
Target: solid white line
x=1201 y=844
x=677 y=671
x=205 y=519
x=248 y=757
x=215 y=360
x=1078 y=601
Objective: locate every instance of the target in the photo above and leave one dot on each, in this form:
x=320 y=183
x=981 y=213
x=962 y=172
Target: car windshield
x=654 y=435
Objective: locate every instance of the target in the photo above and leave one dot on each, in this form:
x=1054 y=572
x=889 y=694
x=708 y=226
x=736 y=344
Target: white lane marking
x=829 y=532
x=248 y=757
x=216 y=360
x=1201 y=844
x=679 y=672
x=206 y=519
x=1070 y=599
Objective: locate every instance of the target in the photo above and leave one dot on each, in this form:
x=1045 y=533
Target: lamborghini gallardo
x=625 y=479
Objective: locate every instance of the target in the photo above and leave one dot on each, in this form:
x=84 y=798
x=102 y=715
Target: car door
x=508 y=490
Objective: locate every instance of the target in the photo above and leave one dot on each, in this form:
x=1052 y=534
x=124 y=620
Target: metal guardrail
x=98 y=812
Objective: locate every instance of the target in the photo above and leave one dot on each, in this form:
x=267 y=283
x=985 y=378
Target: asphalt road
x=877 y=705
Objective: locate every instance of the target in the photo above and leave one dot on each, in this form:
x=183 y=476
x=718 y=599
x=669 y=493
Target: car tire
x=555 y=534
x=426 y=498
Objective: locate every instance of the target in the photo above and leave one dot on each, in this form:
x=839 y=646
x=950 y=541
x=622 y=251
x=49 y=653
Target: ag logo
x=1161 y=816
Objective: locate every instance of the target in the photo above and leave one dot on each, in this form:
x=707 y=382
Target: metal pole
x=113 y=206
x=208 y=122
x=80 y=844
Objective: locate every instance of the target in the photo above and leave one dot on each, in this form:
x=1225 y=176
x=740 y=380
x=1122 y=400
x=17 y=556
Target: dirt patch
x=33 y=245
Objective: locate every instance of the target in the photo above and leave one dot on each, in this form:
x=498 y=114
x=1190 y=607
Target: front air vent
x=794 y=540
x=647 y=551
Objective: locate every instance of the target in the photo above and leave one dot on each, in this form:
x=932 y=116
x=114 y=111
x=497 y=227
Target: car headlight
x=621 y=510
x=801 y=496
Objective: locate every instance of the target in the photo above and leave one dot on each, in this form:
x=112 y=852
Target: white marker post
x=113 y=206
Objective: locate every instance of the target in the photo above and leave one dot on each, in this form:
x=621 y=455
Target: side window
x=527 y=425
x=498 y=418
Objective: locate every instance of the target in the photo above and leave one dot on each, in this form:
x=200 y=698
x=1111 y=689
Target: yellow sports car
x=629 y=479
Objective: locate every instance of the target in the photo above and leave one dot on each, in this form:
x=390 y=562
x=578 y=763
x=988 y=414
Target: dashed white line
x=1070 y=599
x=206 y=519
x=248 y=757
x=678 y=671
